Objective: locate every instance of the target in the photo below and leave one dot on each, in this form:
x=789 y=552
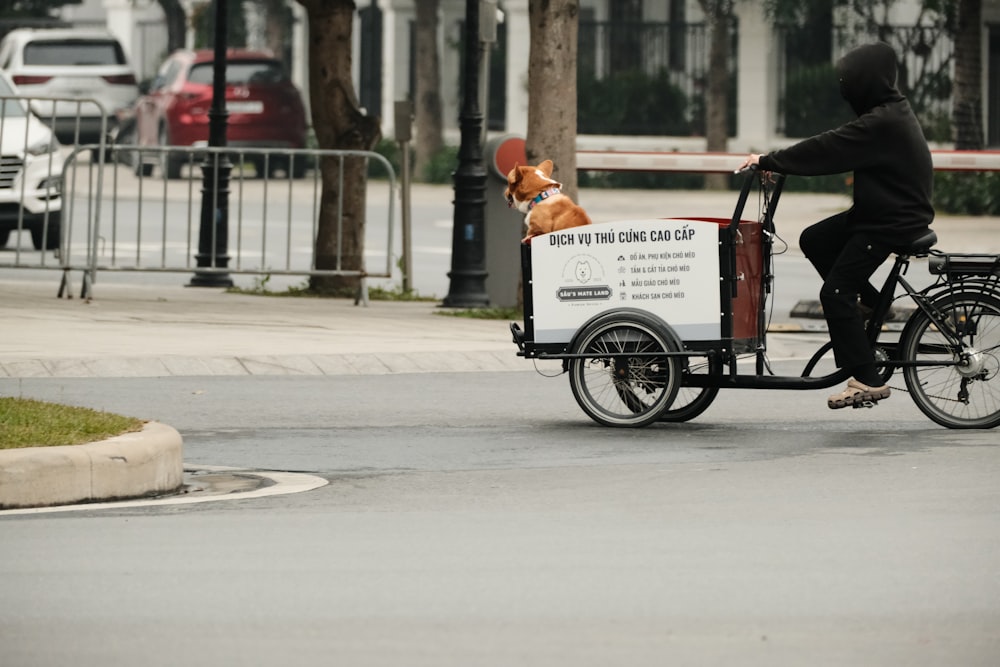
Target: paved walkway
x=155 y=330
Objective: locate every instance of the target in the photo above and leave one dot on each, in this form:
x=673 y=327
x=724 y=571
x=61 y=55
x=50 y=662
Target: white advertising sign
x=669 y=268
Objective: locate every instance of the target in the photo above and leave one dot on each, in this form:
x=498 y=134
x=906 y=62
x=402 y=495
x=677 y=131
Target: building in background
x=653 y=49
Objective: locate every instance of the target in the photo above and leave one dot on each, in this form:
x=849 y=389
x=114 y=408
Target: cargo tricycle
x=653 y=317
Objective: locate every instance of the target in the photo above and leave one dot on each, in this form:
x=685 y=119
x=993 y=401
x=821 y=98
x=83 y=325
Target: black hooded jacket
x=884 y=147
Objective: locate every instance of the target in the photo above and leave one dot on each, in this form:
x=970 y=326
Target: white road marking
x=283 y=483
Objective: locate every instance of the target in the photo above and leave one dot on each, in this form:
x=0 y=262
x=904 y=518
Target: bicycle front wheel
x=964 y=391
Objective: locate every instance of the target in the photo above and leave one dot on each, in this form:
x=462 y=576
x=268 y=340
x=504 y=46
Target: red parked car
x=265 y=108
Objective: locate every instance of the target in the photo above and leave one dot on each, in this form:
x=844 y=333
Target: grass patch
x=396 y=294
x=260 y=288
x=482 y=313
x=378 y=293
x=29 y=423
x=375 y=293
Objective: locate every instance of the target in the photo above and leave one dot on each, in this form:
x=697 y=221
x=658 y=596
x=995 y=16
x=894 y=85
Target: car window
x=160 y=80
x=74 y=52
x=243 y=71
x=171 y=72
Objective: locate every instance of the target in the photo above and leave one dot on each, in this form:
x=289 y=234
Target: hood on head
x=868 y=77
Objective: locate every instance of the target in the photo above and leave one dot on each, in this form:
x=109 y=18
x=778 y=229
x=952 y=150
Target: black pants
x=846 y=261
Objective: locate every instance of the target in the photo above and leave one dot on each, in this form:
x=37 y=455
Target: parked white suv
x=31 y=167
x=68 y=63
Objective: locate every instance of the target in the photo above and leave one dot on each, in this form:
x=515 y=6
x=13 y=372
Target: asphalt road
x=482 y=519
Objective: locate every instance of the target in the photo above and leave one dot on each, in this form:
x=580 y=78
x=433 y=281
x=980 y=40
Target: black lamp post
x=213 y=232
x=468 y=244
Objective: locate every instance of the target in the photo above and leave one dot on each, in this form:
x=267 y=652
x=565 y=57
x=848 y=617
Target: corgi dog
x=532 y=191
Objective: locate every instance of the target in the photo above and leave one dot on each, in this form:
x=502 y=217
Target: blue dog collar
x=542 y=197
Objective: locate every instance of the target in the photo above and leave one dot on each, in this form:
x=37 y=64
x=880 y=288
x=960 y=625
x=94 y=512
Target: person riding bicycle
x=893 y=178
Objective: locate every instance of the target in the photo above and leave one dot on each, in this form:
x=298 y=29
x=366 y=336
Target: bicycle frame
x=976 y=274
x=979 y=276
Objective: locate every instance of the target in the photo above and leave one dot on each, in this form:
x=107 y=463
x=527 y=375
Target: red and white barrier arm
x=650 y=161
x=966 y=160
x=728 y=162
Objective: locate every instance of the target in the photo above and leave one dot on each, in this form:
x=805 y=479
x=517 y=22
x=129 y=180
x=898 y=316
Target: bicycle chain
x=940 y=398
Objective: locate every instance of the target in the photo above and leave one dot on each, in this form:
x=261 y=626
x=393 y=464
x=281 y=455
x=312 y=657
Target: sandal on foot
x=856 y=394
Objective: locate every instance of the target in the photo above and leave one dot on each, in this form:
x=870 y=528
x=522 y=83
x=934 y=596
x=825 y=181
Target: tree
x=12 y=9
x=719 y=15
x=203 y=22
x=429 y=115
x=924 y=79
x=176 y=19
x=340 y=125
x=924 y=65
x=552 y=109
x=967 y=98
x=30 y=14
x=277 y=24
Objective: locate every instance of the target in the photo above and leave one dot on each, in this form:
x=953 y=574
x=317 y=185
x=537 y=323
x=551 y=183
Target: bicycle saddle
x=919 y=246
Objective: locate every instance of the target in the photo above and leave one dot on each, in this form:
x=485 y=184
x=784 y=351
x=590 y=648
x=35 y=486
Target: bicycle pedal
x=864 y=404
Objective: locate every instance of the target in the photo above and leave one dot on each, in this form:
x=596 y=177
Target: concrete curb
x=144 y=463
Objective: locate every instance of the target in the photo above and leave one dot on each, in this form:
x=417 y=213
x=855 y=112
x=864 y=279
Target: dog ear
x=515 y=175
x=545 y=166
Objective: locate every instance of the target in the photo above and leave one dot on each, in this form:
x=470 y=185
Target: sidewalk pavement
x=143 y=330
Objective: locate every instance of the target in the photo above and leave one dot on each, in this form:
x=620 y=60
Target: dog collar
x=542 y=197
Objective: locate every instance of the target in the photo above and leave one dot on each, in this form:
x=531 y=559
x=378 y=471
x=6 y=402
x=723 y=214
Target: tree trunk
x=967 y=102
x=429 y=118
x=176 y=20
x=718 y=15
x=340 y=125
x=276 y=29
x=552 y=87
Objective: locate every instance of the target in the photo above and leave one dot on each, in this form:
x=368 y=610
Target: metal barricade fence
x=32 y=171
x=142 y=211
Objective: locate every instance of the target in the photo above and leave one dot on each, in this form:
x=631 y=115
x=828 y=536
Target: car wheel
x=4 y=237
x=52 y=239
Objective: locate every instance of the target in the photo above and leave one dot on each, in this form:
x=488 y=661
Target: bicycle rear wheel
x=966 y=392
x=622 y=381
x=692 y=401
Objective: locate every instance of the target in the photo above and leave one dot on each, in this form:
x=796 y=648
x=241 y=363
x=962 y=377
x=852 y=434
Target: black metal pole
x=213 y=232
x=468 y=244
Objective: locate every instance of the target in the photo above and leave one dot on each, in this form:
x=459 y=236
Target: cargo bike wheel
x=690 y=402
x=964 y=391
x=622 y=376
